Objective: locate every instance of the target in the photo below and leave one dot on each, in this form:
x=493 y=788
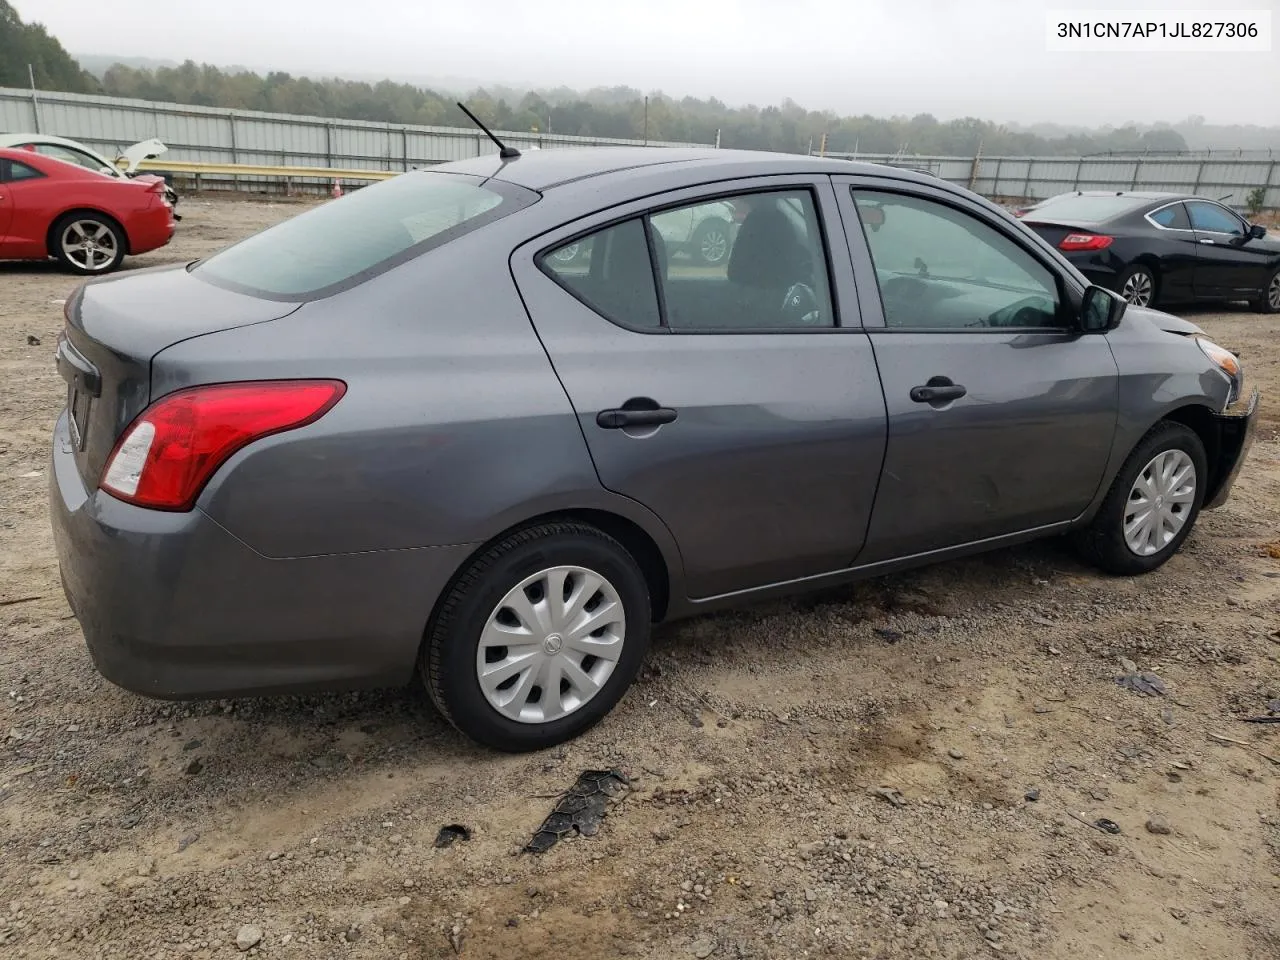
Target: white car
x=71 y=151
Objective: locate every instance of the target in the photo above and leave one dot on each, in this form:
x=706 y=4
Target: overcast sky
x=983 y=58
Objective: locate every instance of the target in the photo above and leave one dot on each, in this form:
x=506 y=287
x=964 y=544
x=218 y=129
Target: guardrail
x=186 y=168
x=195 y=174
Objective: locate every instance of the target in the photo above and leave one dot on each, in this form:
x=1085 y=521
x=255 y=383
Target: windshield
x=346 y=241
x=1085 y=209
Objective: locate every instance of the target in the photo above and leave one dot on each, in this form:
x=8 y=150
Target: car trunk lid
x=115 y=326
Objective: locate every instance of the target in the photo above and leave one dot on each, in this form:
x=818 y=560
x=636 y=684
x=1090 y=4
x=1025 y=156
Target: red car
x=89 y=221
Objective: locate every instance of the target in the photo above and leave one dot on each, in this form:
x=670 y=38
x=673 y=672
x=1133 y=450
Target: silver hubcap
x=89 y=244
x=715 y=244
x=551 y=644
x=1137 y=289
x=1273 y=293
x=1159 y=502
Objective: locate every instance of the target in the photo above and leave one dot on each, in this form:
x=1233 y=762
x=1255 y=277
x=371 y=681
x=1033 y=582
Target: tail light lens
x=168 y=454
x=1075 y=242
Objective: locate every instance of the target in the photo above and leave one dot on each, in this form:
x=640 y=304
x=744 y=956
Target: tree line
x=621 y=112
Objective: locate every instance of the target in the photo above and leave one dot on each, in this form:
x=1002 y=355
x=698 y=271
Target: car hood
x=1164 y=321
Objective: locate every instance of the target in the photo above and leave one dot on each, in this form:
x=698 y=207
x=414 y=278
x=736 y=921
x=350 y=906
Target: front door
x=1230 y=266
x=1000 y=419
x=723 y=394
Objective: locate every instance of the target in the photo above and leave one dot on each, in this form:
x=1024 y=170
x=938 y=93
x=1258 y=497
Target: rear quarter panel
x=454 y=426
x=38 y=204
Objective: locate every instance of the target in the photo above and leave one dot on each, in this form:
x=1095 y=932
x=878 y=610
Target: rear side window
x=754 y=261
x=1174 y=217
x=610 y=272
x=346 y=241
x=17 y=170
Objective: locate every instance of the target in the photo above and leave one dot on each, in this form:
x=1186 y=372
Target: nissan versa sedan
x=399 y=434
x=1164 y=247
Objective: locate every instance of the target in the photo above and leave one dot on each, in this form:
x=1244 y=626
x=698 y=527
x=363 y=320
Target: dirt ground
x=983 y=690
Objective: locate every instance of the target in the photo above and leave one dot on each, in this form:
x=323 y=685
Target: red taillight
x=1075 y=242
x=168 y=454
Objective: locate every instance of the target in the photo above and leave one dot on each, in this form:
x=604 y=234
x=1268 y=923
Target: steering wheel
x=800 y=305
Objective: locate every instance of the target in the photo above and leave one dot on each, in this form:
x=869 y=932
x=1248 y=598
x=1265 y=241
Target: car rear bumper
x=151 y=228
x=174 y=606
x=1238 y=425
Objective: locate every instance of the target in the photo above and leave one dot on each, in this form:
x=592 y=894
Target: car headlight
x=1228 y=363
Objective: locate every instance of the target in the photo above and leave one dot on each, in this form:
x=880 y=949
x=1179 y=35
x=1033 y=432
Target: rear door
x=736 y=399
x=1000 y=418
x=1229 y=267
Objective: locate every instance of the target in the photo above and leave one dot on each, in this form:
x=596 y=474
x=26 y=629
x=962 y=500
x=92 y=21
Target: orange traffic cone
x=337 y=190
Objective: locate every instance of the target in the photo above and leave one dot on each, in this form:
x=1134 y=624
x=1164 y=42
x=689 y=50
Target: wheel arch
x=658 y=567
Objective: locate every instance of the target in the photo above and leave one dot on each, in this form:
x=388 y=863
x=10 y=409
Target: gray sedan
x=399 y=434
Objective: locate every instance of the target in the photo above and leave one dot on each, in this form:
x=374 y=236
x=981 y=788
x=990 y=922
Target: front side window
x=343 y=241
x=67 y=155
x=1211 y=218
x=1174 y=217
x=939 y=268
x=747 y=262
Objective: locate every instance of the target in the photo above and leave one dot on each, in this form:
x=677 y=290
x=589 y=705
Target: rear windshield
x=1085 y=209
x=346 y=241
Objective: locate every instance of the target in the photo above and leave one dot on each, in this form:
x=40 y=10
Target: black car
x=1165 y=247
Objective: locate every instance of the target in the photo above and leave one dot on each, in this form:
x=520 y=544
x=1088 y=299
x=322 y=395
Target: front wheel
x=1138 y=286
x=88 y=243
x=539 y=637
x=1152 y=504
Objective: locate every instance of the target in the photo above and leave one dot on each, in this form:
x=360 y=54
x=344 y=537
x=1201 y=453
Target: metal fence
x=1229 y=176
x=217 y=135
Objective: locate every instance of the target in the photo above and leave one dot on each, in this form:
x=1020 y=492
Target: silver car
x=402 y=434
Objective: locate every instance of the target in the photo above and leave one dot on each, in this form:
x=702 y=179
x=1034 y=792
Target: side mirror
x=1257 y=231
x=1101 y=310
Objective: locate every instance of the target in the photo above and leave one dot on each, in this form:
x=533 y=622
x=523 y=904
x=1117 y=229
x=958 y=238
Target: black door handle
x=938 y=391
x=642 y=417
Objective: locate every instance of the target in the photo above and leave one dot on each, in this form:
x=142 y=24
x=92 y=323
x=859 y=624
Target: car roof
x=546 y=169
x=1135 y=194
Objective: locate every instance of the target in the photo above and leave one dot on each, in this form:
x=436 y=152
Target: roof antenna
x=504 y=152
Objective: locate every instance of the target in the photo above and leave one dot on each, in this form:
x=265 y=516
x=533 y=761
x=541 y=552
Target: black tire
x=706 y=252
x=448 y=664
x=109 y=231
x=1136 y=275
x=1102 y=543
x=1269 y=302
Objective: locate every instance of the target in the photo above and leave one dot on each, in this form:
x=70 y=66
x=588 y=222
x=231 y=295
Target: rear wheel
x=88 y=243
x=1152 y=504
x=1269 y=302
x=539 y=637
x=1138 y=286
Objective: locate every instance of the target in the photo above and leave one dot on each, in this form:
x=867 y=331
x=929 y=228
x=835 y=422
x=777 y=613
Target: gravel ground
x=909 y=768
